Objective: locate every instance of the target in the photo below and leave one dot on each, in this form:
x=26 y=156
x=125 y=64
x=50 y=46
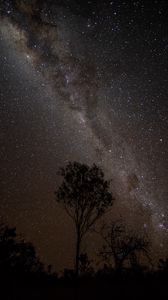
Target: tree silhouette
x=17 y=256
x=85 y=196
x=121 y=246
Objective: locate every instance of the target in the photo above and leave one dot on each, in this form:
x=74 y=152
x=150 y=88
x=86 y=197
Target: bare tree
x=121 y=246
x=85 y=196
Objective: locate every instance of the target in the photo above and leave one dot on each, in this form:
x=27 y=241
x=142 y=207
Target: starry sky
x=85 y=81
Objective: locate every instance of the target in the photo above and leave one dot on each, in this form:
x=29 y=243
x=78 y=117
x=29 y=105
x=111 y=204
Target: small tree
x=85 y=265
x=121 y=246
x=85 y=196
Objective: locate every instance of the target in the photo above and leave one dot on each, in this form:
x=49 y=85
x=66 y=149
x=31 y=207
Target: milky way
x=87 y=82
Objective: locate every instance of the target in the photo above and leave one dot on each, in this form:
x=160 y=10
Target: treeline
x=18 y=259
x=85 y=195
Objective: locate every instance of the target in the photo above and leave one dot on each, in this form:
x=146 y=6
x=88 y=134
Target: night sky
x=85 y=81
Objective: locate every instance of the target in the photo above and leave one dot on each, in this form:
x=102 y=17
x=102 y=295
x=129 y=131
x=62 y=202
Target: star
x=84 y=82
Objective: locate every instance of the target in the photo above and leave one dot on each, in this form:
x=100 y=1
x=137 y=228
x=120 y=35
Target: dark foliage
x=17 y=257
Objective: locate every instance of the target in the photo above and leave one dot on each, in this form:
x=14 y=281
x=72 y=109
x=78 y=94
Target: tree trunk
x=77 y=255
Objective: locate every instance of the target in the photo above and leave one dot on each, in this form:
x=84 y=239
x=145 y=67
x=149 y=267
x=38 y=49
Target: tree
x=17 y=256
x=85 y=196
x=121 y=246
